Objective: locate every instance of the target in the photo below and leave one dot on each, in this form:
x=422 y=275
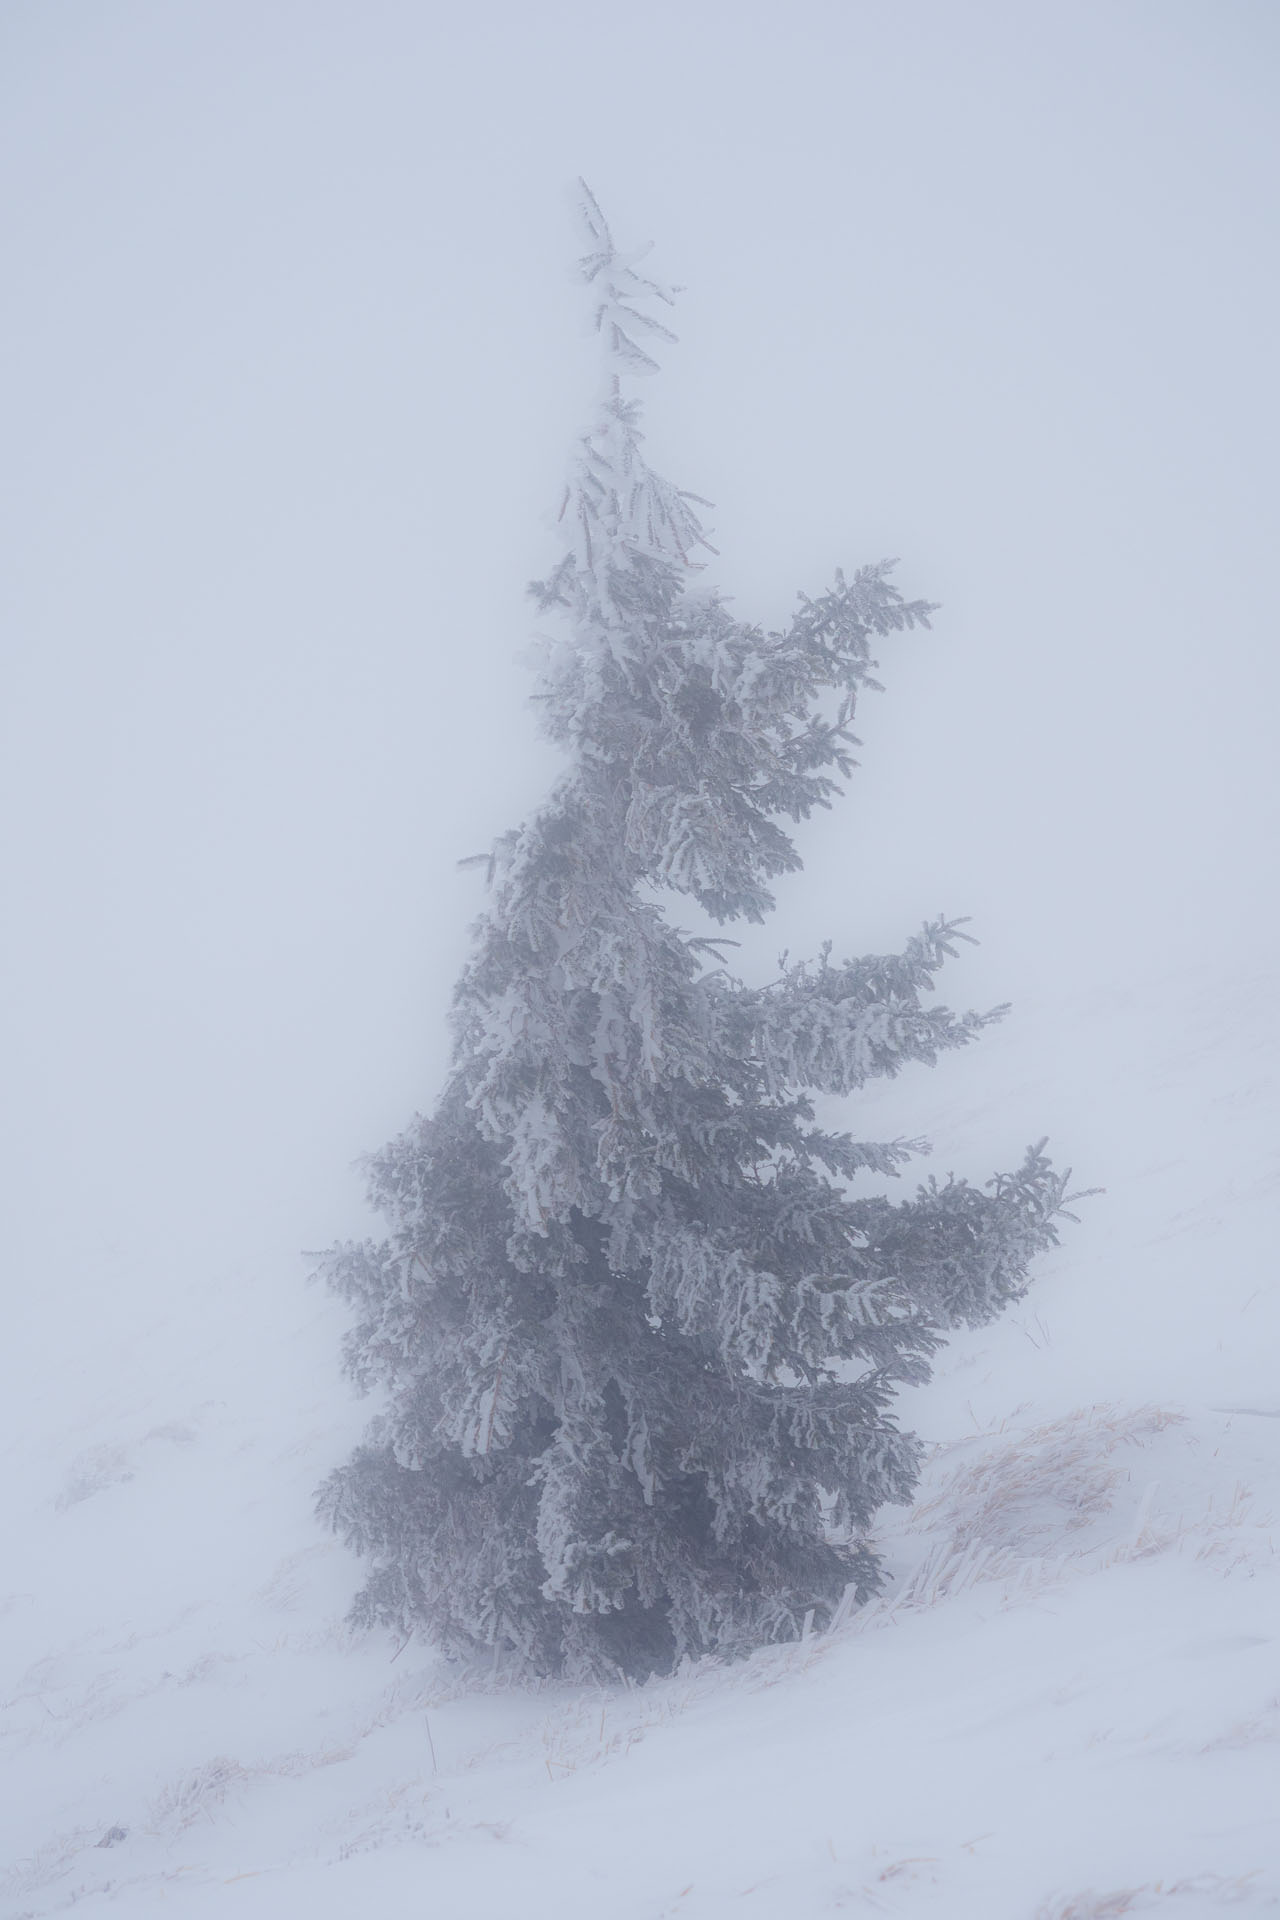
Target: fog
x=295 y=357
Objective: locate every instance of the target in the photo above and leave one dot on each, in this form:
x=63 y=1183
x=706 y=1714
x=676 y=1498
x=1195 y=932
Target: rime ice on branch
x=635 y=1334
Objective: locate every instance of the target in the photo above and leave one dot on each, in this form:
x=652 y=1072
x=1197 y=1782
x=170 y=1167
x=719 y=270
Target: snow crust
x=1068 y=1705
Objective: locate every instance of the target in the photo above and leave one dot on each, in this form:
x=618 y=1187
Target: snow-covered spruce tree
x=636 y=1337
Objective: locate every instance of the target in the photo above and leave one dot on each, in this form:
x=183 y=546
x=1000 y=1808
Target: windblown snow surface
x=1067 y=1704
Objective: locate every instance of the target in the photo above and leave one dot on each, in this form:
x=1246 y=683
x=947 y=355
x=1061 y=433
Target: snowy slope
x=1068 y=1704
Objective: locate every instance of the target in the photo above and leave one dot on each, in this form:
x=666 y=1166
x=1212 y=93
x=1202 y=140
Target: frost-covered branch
x=834 y=1027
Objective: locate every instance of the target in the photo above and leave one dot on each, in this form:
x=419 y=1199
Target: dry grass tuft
x=1213 y=1889
x=197 y=1793
x=1011 y=1514
x=49 y=1862
x=1050 y=1481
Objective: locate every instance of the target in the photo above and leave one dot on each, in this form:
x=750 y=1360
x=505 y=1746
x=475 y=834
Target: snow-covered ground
x=1067 y=1704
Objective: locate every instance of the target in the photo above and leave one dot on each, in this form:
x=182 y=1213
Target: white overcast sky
x=293 y=358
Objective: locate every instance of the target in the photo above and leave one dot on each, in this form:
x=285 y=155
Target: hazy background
x=294 y=356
